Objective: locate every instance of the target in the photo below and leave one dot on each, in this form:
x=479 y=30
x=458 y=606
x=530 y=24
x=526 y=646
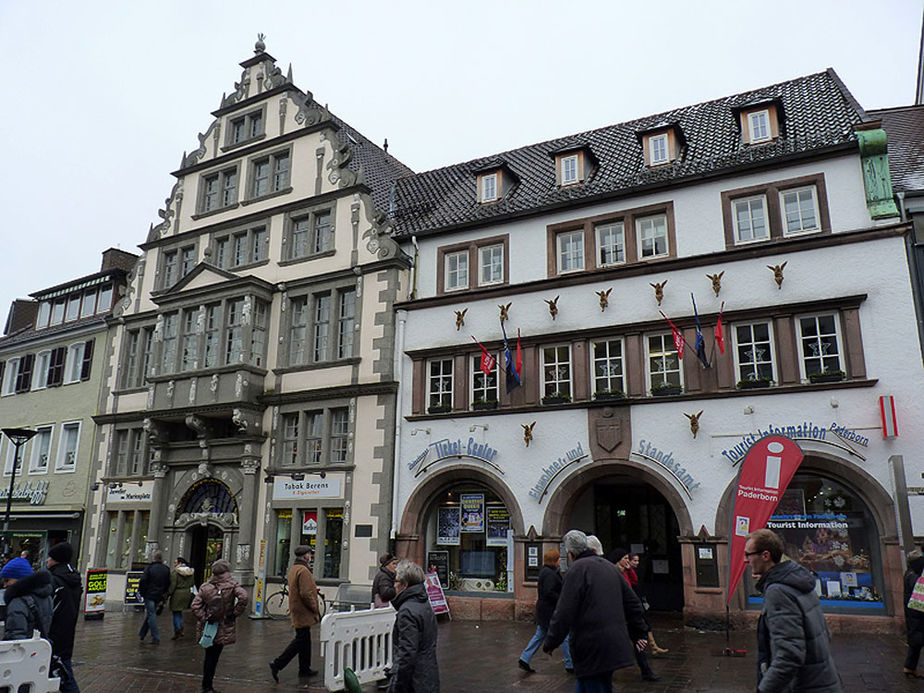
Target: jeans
x=211 y=663
x=150 y=621
x=536 y=642
x=601 y=683
x=177 y=621
x=69 y=686
x=301 y=646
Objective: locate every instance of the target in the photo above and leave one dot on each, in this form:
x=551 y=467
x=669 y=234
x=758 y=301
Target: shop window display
x=467 y=533
x=828 y=529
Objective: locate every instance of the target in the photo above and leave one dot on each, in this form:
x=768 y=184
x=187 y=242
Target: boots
x=655 y=650
x=177 y=634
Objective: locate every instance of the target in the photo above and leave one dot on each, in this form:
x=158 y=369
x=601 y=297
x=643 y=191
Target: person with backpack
x=68 y=589
x=217 y=605
x=28 y=600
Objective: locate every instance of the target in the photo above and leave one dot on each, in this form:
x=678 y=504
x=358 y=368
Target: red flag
x=487 y=361
x=719 y=333
x=762 y=479
x=677 y=334
x=519 y=353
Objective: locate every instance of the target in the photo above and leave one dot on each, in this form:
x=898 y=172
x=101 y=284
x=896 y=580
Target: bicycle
x=276 y=605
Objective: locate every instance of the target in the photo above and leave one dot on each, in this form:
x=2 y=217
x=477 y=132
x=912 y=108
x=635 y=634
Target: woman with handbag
x=219 y=602
x=914 y=612
x=632 y=577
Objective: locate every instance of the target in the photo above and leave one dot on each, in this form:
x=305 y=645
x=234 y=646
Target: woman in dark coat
x=383 y=586
x=914 y=620
x=220 y=600
x=414 y=667
x=549 y=589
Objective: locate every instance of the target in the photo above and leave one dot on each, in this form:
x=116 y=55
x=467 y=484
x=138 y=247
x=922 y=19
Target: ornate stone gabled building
x=250 y=403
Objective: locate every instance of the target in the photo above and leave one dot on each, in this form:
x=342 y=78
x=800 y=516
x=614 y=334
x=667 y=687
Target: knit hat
x=617 y=555
x=385 y=559
x=61 y=552
x=16 y=569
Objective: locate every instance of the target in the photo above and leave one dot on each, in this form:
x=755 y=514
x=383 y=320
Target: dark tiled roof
x=29 y=333
x=905 y=130
x=818 y=113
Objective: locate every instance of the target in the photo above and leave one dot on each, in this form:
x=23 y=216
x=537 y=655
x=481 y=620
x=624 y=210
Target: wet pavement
x=473 y=657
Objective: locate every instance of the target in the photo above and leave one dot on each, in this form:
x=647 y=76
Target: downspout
x=401 y=319
x=416 y=256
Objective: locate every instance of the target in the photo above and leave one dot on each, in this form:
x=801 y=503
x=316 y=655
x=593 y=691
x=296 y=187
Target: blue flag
x=700 y=345
x=513 y=378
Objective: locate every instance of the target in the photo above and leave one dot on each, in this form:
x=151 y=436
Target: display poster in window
x=435 y=593
x=438 y=562
x=498 y=524
x=472 y=512
x=449 y=521
x=94 y=603
x=133 y=588
x=310 y=522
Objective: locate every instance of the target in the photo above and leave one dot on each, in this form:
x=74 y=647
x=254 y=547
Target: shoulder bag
x=916 y=602
x=56 y=668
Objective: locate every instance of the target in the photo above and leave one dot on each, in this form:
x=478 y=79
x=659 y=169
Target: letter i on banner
x=762 y=479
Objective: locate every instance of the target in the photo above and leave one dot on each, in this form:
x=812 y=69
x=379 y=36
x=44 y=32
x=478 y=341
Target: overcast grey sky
x=102 y=98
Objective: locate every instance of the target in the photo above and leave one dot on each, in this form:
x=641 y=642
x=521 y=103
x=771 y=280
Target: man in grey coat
x=793 y=652
x=414 y=666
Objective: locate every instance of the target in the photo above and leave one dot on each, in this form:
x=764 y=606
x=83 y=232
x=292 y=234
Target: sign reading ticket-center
x=309 y=487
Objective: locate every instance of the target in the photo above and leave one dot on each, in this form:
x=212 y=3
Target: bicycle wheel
x=277 y=605
x=322 y=604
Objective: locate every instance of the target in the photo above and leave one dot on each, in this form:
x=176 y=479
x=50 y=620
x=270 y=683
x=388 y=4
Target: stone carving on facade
x=168 y=213
x=250 y=465
x=171 y=387
x=243 y=554
x=159 y=471
x=199 y=425
x=247 y=422
x=204 y=469
x=192 y=389
x=157 y=433
x=608 y=430
x=240 y=384
x=203 y=518
x=378 y=236
x=339 y=173
x=213 y=383
x=192 y=158
x=309 y=113
x=247 y=311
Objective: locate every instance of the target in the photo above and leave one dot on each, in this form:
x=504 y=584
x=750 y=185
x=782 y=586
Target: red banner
x=765 y=474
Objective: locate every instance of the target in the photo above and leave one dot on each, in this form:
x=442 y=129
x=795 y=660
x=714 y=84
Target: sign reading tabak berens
x=308 y=488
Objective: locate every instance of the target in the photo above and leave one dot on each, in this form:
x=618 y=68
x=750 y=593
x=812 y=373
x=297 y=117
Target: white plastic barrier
x=25 y=662
x=360 y=640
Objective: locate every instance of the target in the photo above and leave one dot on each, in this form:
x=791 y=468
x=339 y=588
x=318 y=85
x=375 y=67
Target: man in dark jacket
x=793 y=652
x=28 y=600
x=383 y=586
x=67 y=592
x=549 y=586
x=154 y=585
x=604 y=616
x=914 y=620
x=414 y=667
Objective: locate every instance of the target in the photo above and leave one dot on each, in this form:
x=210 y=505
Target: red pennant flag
x=519 y=354
x=677 y=334
x=719 y=333
x=765 y=473
x=487 y=361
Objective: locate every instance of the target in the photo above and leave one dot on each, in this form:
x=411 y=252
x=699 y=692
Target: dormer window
x=760 y=123
x=569 y=169
x=488 y=187
x=661 y=144
x=573 y=164
x=657 y=147
x=759 y=126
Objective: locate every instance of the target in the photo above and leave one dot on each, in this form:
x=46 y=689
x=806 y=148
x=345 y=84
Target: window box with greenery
x=439 y=409
x=827 y=377
x=605 y=395
x=755 y=384
x=665 y=389
x=484 y=404
x=557 y=398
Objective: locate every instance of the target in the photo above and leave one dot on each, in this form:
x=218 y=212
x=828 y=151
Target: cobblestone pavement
x=474 y=657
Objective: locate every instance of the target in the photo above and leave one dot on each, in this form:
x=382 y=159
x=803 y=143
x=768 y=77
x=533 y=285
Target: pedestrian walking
x=632 y=576
x=217 y=605
x=793 y=640
x=155 y=581
x=28 y=600
x=549 y=586
x=67 y=588
x=383 y=586
x=914 y=619
x=414 y=666
x=621 y=559
x=601 y=612
x=180 y=593
x=303 y=612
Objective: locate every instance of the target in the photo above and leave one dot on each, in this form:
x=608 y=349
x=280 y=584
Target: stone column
x=158 y=501
x=247 y=515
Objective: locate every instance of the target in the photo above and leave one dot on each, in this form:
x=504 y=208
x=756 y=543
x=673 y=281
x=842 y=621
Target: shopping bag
x=209 y=631
x=917 y=595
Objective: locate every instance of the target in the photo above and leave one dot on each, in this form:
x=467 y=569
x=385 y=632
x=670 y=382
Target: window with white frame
x=657 y=149
x=556 y=371
x=750 y=216
x=11 y=458
x=663 y=362
x=484 y=385
x=105 y=298
x=570 y=250
x=569 y=169
x=74 y=367
x=800 y=210
x=611 y=243
x=88 y=304
x=456 y=270
x=40 y=372
x=269 y=174
x=819 y=344
x=608 y=367
x=57 y=311
x=652 y=236
x=44 y=315
x=10 y=374
x=41 y=447
x=489 y=187
x=67 y=447
x=754 y=351
x=491 y=264
x=439 y=384
x=759 y=126
x=73 y=307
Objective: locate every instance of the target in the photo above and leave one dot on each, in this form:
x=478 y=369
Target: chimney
x=118 y=259
x=22 y=315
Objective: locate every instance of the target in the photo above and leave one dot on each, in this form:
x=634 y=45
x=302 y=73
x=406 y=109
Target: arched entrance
x=628 y=506
x=208 y=512
x=206 y=543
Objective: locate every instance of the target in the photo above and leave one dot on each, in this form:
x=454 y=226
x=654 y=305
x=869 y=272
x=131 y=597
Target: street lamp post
x=19 y=437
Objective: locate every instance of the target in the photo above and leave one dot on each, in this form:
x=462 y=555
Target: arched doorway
x=205 y=509
x=206 y=544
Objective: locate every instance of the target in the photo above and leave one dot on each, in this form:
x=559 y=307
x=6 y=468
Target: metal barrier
x=360 y=640
x=25 y=663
